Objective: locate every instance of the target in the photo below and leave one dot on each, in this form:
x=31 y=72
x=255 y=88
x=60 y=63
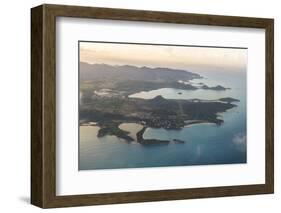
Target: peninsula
x=105 y=101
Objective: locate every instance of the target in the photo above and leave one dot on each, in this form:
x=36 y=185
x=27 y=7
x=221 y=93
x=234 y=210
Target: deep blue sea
x=205 y=144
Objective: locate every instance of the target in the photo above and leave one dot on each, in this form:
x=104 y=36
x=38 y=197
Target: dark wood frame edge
x=43 y=105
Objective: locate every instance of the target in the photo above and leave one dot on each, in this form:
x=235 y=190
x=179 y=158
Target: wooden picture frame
x=43 y=105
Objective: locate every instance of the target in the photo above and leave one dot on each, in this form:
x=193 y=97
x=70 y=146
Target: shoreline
x=139 y=134
x=143 y=141
x=197 y=122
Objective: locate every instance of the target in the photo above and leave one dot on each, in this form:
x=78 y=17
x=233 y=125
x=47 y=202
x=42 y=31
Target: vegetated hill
x=103 y=72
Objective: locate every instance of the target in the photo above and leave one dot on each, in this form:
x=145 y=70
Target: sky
x=180 y=57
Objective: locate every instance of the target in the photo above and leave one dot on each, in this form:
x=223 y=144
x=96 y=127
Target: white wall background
x=15 y=105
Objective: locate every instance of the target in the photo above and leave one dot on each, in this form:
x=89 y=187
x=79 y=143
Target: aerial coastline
x=105 y=100
x=147 y=105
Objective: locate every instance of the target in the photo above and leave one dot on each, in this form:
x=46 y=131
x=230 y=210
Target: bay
x=205 y=144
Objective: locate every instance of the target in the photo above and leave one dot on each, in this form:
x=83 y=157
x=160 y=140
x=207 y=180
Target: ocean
x=205 y=143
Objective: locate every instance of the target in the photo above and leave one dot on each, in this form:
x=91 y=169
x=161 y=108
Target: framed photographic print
x=136 y=106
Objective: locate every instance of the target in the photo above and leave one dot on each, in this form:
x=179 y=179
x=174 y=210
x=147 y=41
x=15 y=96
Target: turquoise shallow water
x=205 y=144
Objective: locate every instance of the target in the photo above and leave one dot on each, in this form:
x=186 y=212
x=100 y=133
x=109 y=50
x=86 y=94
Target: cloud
x=240 y=141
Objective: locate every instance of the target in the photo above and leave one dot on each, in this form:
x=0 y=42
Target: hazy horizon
x=176 y=57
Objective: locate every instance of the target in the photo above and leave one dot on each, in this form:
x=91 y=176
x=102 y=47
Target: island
x=105 y=101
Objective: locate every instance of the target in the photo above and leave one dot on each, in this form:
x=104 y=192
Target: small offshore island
x=105 y=101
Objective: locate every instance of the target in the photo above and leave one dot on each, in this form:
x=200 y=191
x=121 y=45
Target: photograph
x=140 y=105
x=159 y=105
